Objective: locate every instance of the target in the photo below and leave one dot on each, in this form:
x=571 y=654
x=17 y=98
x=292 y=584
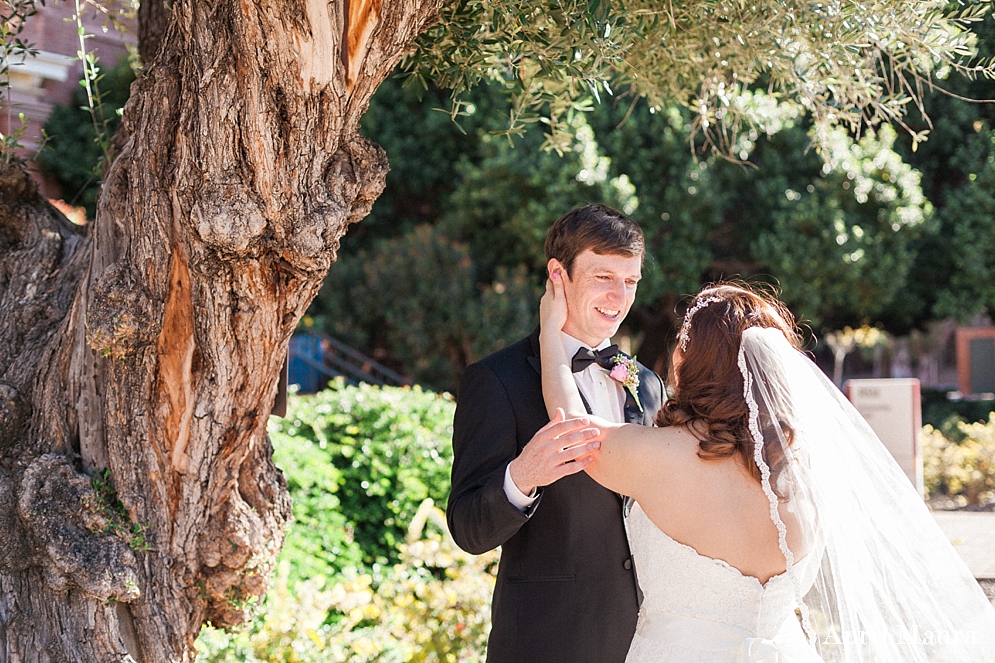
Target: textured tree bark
x=145 y=354
x=153 y=19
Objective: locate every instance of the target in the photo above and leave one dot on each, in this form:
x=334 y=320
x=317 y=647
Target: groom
x=565 y=588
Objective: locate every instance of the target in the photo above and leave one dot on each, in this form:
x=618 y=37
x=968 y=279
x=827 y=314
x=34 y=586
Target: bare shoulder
x=647 y=440
x=630 y=452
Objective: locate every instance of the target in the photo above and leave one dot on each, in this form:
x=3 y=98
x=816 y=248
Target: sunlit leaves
x=846 y=63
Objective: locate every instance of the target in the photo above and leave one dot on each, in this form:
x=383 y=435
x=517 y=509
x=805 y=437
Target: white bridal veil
x=876 y=580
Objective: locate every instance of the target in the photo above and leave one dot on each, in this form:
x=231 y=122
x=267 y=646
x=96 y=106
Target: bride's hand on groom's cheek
x=553 y=305
x=560 y=448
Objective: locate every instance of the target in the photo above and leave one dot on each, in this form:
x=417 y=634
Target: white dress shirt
x=605 y=396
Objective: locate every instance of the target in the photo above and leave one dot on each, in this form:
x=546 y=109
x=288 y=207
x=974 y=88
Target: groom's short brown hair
x=600 y=228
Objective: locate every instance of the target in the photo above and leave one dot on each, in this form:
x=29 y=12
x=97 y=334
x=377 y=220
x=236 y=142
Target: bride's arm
x=612 y=466
x=622 y=461
x=559 y=390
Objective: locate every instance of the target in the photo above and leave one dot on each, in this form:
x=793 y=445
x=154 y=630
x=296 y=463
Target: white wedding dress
x=870 y=577
x=697 y=609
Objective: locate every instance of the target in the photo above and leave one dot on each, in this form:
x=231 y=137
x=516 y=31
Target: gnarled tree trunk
x=144 y=355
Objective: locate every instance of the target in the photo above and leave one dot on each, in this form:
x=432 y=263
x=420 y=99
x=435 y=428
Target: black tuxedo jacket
x=565 y=587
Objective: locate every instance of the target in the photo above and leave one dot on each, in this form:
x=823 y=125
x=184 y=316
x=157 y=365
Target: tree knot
x=120 y=317
x=63 y=514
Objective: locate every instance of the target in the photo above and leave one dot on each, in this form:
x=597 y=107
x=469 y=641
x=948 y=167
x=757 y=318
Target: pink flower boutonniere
x=626 y=372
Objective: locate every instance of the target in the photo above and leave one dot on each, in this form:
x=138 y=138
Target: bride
x=769 y=523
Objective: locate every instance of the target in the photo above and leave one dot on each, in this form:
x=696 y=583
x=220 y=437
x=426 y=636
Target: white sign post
x=893 y=409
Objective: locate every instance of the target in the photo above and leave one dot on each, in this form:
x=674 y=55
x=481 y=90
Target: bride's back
x=714 y=506
x=705 y=489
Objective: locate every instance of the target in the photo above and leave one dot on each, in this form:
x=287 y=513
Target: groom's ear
x=555 y=265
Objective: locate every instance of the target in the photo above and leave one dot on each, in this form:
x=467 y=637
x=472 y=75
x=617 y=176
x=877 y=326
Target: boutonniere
x=626 y=372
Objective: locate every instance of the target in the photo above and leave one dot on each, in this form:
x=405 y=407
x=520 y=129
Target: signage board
x=892 y=408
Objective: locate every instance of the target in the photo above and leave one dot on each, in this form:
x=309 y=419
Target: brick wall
x=52 y=77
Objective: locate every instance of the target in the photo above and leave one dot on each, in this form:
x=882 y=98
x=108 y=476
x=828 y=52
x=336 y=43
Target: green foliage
x=320 y=541
x=954 y=265
x=75 y=151
x=849 y=63
x=438 y=306
x=944 y=414
x=961 y=468
x=549 y=56
x=432 y=606
x=369 y=571
x=419 y=296
x=387 y=450
x=839 y=233
x=285 y=629
x=850 y=234
x=838 y=239
x=425 y=147
x=970 y=216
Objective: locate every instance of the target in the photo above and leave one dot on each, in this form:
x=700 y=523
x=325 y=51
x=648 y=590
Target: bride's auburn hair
x=707 y=383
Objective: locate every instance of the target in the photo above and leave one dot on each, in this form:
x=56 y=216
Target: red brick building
x=49 y=78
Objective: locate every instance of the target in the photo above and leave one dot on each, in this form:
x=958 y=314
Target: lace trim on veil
x=775 y=516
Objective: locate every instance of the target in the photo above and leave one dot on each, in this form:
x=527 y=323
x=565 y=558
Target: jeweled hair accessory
x=686 y=327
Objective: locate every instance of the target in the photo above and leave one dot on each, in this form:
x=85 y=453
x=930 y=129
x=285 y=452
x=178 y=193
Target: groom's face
x=599 y=294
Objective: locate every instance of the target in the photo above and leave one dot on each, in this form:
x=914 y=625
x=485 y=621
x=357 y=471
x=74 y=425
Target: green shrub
x=433 y=606
x=369 y=571
x=320 y=541
x=286 y=628
x=964 y=467
x=359 y=461
x=942 y=413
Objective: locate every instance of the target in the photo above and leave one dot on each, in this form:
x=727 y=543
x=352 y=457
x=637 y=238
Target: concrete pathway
x=973 y=536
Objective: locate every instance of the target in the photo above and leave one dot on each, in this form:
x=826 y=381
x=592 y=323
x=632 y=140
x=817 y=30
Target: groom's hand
x=559 y=448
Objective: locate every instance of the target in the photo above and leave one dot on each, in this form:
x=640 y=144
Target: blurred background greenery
x=870 y=233
x=449 y=265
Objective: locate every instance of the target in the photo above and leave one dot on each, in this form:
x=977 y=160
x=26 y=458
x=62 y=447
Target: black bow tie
x=586 y=356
